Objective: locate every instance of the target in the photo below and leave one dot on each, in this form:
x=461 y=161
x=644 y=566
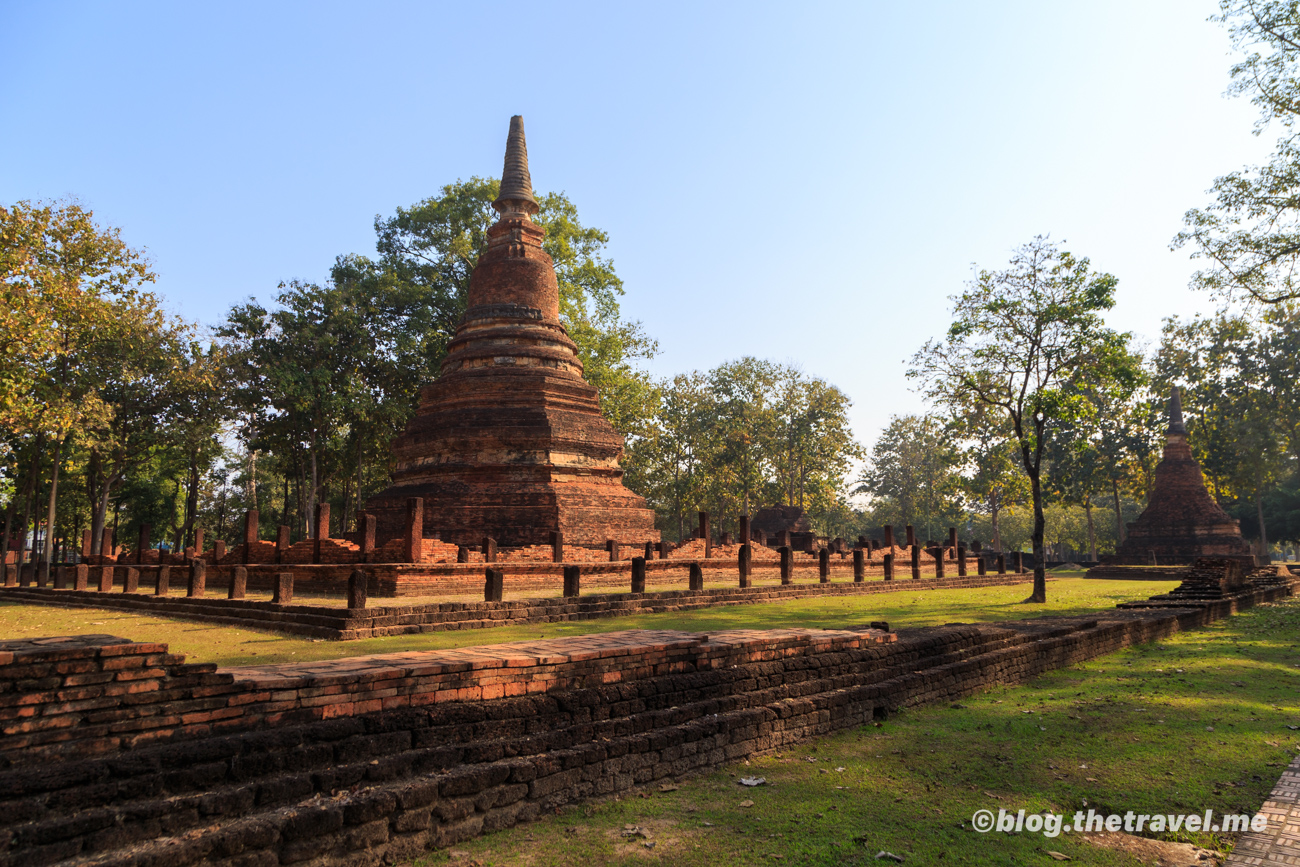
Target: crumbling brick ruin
x=509 y=442
x=1181 y=521
x=123 y=753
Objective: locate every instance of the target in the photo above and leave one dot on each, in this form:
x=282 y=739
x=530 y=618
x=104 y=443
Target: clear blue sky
x=804 y=182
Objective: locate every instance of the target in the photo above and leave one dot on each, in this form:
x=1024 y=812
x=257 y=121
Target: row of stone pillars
x=196 y=584
x=494 y=587
x=252 y=519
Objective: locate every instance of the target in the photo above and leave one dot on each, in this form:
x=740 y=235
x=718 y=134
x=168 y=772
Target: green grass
x=1130 y=731
x=227 y=645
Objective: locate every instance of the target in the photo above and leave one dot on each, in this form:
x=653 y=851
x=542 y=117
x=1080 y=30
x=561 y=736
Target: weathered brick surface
x=1181 y=521
x=347 y=624
x=509 y=441
x=314 y=766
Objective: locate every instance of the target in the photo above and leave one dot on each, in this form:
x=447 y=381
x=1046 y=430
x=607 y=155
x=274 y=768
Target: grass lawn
x=227 y=645
x=1205 y=720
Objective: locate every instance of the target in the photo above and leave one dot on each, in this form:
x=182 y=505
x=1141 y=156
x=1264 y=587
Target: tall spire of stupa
x=516 y=185
x=1176 y=425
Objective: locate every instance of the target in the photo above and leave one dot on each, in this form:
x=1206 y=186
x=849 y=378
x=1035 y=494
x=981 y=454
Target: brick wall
x=318 y=621
x=376 y=759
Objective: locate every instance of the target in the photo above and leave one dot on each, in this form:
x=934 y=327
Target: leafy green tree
x=813 y=443
x=744 y=428
x=1022 y=340
x=69 y=289
x=148 y=366
x=1249 y=236
x=914 y=466
x=991 y=476
x=667 y=462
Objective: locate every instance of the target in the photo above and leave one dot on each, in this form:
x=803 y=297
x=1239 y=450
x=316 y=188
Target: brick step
x=395 y=783
x=206 y=816
x=222 y=779
x=378 y=785
x=349 y=624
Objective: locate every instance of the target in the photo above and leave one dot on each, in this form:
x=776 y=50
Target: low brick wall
x=377 y=759
x=319 y=621
x=396 y=580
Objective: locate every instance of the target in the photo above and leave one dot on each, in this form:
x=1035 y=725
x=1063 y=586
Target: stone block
x=358 y=589
x=198 y=579
x=282 y=590
x=281 y=543
x=413 y=537
x=572 y=581
x=238 y=583
x=494 y=585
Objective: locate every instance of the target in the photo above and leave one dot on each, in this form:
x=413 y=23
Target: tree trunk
x=191 y=500
x=312 y=494
x=1119 y=515
x=9 y=530
x=117 y=523
x=1092 y=533
x=252 y=478
x=1263 y=531
x=101 y=515
x=93 y=495
x=221 y=515
x=28 y=500
x=51 y=511
x=1040 y=525
x=995 y=507
x=284 y=507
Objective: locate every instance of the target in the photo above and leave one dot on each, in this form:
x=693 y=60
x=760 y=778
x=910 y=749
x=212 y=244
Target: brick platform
x=1280 y=844
x=319 y=621
x=122 y=753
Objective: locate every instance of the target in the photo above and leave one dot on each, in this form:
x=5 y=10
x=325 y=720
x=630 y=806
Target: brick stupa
x=1181 y=521
x=509 y=441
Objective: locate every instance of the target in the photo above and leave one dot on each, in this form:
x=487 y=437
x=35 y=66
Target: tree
x=748 y=433
x=665 y=463
x=813 y=443
x=991 y=477
x=1250 y=235
x=68 y=287
x=744 y=427
x=1022 y=340
x=150 y=367
x=914 y=465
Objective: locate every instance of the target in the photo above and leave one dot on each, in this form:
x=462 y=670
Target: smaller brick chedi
x=1181 y=521
x=509 y=441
